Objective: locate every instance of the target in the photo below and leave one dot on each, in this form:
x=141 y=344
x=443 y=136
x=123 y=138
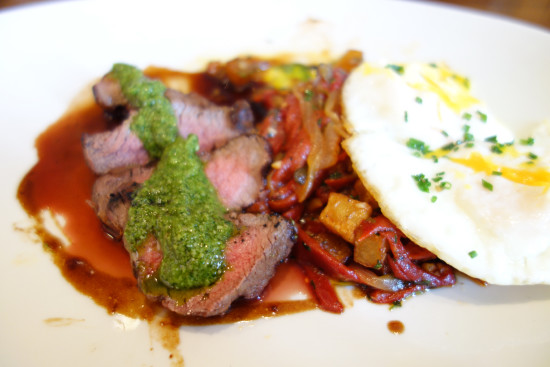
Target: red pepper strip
x=412 y=272
x=379 y=296
x=294 y=213
x=338 y=78
x=292 y=120
x=342 y=156
x=417 y=253
x=402 y=274
x=312 y=252
x=295 y=158
x=314 y=226
x=341 y=182
x=272 y=130
x=283 y=205
x=260 y=206
x=285 y=191
x=324 y=292
x=373 y=226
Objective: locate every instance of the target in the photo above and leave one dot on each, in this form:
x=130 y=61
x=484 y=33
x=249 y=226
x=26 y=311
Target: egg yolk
x=535 y=176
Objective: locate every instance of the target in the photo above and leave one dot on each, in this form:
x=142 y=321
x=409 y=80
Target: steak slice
x=120 y=147
x=237 y=170
x=251 y=257
x=108 y=94
x=112 y=195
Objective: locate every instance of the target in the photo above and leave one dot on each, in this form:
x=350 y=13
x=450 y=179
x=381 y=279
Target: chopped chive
x=487 y=185
x=496 y=173
x=406 y=117
x=482 y=116
x=528 y=141
x=435 y=159
x=449 y=146
x=532 y=156
x=397 y=68
x=472 y=254
x=433 y=199
x=469 y=145
x=395 y=304
x=422 y=182
x=445 y=134
x=467 y=116
x=497 y=148
x=418 y=145
x=492 y=139
x=437 y=179
x=418 y=100
x=445 y=185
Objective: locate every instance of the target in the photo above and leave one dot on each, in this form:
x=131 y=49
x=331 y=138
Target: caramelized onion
x=383 y=282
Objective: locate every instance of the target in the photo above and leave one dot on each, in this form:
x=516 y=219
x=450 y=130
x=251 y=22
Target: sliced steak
x=252 y=257
x=120 y=147
x=108 y=94
x=112 y=195
x=237 y=170
x=116 y=148
x=214 y=125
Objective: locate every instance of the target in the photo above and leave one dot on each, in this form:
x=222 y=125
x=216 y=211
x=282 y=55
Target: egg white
x=487 y=226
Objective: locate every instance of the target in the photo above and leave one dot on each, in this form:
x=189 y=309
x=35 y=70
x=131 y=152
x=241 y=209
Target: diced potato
x=371 y=251
x=343 y=214
x=335 y=245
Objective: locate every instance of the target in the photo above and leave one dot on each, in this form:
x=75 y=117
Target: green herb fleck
x=467 y=116
x=406 y=116
x=449 y=147
x=422 y=182
x=433 y=199
x=467 y=135
x=496 y=173
x=487 y=185
x=472 y=254
x=482 y=116
x=532 y=156
x=308 y=95
x=418 y=145
x=397 y=68
x=528 y=141
x=395 y=304
x=418 y=100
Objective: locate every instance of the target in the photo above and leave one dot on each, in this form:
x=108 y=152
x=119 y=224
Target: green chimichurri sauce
x=155 y=123
x=181 y=209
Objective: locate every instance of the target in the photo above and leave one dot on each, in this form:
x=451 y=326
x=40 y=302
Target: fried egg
x=448 y=174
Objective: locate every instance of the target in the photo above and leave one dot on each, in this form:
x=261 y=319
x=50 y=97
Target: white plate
x=49 y=53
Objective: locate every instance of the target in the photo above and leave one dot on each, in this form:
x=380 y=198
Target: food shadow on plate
x=469 y=291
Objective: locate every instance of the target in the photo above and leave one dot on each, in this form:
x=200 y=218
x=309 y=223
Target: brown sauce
x=93 y=263
x=396 y=327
